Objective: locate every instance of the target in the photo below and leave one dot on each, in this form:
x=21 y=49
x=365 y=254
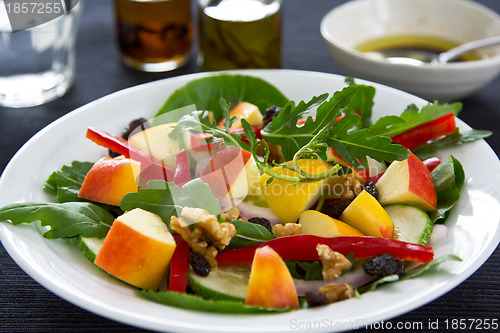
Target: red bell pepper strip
x=429 y=131
x=182 y=172
x=151 y=167
x=179 y=265
x=303 y=247
x=432 y=162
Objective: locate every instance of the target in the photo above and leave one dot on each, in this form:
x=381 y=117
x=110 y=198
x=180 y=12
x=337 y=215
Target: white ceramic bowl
x=358 y=21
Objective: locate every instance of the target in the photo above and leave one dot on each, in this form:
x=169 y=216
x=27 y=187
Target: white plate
x=59 y=266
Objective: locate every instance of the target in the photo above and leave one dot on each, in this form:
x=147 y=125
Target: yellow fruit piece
x=288 y=200
x=319 y=224
x=157 y=141
x=367 y=215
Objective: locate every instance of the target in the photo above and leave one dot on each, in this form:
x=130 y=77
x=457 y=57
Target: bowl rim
x=473 y=64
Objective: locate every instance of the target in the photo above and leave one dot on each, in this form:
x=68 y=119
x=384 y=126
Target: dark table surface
x=26 y=306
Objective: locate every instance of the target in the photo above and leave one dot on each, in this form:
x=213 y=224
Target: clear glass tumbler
x=37 y=64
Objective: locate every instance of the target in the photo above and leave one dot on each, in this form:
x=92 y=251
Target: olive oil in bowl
x=411 y=49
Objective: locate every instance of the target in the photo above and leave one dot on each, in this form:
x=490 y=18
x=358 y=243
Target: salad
x=251 y=204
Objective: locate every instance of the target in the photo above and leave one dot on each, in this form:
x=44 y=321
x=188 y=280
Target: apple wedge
x=244 y=110
x=288 y=200
x=232 y=174
x=319 y=224
x=271 y=284
x=157 y=141
x=110 y=179
x=137 y=249
x=367 y=215
x=407 y=182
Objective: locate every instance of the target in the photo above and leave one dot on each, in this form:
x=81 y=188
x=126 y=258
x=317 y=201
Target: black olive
x=200 y=264
x=263 y=222
x=383 y=265
x=270 y=113
x=316 y=299
x=370 y=188
x=335 y=208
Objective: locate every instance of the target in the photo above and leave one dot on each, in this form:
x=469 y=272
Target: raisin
x=316 y=299
x=129 y=129
x=370 y=188
x=142 y=122
x=200 y=264
x=383 y=265
x=335 y=208
x=263 y=222
x=270 y=113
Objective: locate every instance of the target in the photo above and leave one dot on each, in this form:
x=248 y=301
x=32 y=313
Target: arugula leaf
x=411 y=117
x=66 y=182
x=248 y=233
x=206 y=92
x=417 y=271
x=356 y=145
x=362 y=102
x=65 y=219
x=449 y=178
x=284 y=131
x=452 y=140
x=167 y=199
x=193 y=302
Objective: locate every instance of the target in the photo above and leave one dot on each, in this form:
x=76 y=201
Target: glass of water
x=37 y=50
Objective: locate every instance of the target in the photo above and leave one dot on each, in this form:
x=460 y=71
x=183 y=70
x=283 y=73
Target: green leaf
x=64 y=219
x=452 y=140
x=167 y=199
x=355 y=146
x=206 y=92
x=449 y=178
x=362 y=102
x=193 y=302
x=66 y=182
x=248 y=233
x=314 y=272
x=417 y=271
x=284 y=131
x=412 y=117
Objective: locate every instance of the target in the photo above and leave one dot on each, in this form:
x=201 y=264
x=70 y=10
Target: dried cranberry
x=383 y=265
x=262 y=221
x=335 y=208
x=200 y=264
x=316 y=299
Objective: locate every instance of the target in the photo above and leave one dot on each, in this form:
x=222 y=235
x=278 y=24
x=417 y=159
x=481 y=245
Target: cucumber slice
x=225 y=283
x=411 y=224
x=90 y=246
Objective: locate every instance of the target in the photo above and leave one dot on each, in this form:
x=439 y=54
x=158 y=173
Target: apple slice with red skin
x=110 y=179
x=137 y=249
x=407 y=182
x=231 y=173
x=271 y=284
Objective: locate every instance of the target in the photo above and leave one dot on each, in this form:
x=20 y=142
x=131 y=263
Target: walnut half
x=337 y=292
x=288 y=229
x=333 y=262
x=208 y=235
